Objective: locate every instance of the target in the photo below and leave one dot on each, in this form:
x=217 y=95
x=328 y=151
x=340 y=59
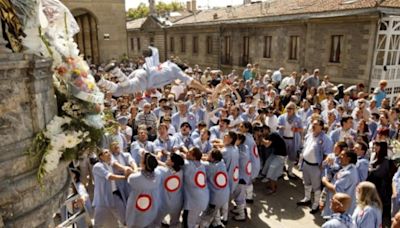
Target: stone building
x=103 y=32
x=350 y=40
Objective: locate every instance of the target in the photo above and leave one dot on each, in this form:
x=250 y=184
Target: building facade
x=103 y=28
x=352 y=41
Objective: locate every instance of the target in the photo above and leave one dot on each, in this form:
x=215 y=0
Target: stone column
x=27 y=104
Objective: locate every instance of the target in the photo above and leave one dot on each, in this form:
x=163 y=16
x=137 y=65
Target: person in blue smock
x=368 y=212
x=244 y=178
x=142 y=79
x=340 y=219
x=183 y=116
x=109 y=207
x=290 y=127
x=316 y=147
x=203 y=142
x=195 y=190
x=141 y=145
x=144 y=199
x=362 y=165
x=230 y=155
x=196 y=132
x=164 y=144
x=124 y=159
x=171 y=190
x=247 y=129
x=379 y=93
x=331 y=165
x=218 y=131
x=217 y=181
x=183 y=137
x=346 y=179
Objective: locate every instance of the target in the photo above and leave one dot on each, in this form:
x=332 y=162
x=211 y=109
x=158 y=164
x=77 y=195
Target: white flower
x=52 y=159
x=72 y=139
x=54 y=127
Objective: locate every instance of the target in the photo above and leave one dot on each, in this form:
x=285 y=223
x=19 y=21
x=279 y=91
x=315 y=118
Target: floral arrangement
x=79 y=125
x=64 y=138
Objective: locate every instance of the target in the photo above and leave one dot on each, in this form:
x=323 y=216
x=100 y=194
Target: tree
x=143 y=11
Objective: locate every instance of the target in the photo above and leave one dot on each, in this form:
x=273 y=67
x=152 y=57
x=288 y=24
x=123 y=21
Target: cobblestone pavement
x=279 y=210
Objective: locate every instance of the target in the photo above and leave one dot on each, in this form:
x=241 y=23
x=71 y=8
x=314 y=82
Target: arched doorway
x=87 y=38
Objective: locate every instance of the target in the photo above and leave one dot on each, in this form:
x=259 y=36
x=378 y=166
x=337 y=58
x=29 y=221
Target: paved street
x=279 y=209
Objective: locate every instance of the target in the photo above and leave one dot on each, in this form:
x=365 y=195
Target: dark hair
x=364 y=146
x=344 y=119
x=233 y=136
x=186 y=124
x=382 y=153
x=342 y=145
x=216 y=155
x=248 y=126
x=353 y=156
x=241 y=138
x=178 y=161
x=208 y=132
x=197 y=154
x=150 y=162
x=227 y=121
x=147 y=52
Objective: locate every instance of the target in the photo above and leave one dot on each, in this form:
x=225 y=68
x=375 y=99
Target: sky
x=201 y=3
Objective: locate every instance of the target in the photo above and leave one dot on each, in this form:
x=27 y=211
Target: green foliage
x=143 y=11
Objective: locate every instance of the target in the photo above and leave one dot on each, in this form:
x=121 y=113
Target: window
x=171 y=44
x=246 y=50
x=132 y=44
x=183 y=44
x=267 y=46
x=226 y=58
x=209 y=44
x=336 y=43
x=138 y=43
x=294 y=47
x=195 y=44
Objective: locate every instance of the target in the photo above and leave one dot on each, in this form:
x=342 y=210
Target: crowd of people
x=192 y=143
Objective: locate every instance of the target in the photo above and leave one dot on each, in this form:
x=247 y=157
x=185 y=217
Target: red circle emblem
x=172 y=183
x=255 y=151
x=248 y=168
x=143 y=202
x=200 y=179
x=221 y=179
x=236 y=174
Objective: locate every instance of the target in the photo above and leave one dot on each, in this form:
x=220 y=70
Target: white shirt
x=113 y=185
x=309 y=152
x=287 y=132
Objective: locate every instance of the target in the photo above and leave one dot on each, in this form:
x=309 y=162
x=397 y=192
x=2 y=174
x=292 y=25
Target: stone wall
x=315 y=35
x=111 y=19
x=27 y=103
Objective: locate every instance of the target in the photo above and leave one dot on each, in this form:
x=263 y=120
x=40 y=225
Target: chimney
x=152 y=7
x=194 y=5
x=189 y=6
